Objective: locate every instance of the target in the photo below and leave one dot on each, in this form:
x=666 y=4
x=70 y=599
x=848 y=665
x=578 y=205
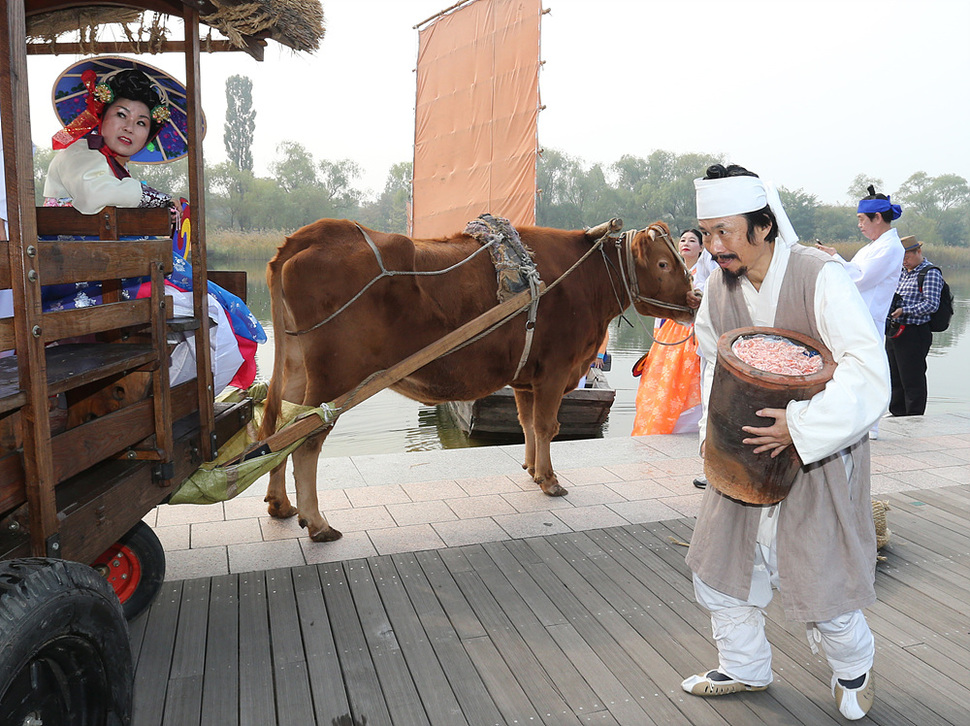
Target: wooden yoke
x=311 y=424
x=605 y=228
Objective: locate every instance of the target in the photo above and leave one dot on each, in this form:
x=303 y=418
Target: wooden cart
x=92 y=437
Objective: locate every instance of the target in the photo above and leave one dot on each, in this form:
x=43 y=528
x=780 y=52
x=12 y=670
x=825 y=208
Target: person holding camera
x=908 y=330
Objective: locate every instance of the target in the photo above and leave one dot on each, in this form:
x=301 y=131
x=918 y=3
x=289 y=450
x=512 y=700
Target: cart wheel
x=65 y=657
x=135 y=567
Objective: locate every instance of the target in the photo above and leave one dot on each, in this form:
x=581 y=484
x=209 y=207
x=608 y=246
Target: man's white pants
x=739 y=625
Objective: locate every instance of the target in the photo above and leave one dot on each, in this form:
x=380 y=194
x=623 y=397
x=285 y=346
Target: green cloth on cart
x=215 y=481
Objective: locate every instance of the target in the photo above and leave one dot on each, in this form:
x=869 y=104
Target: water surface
x=391 y=423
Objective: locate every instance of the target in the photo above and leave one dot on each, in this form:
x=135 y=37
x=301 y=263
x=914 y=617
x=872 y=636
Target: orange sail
x=476 y=113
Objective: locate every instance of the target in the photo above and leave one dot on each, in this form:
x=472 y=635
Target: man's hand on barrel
x=774 y=438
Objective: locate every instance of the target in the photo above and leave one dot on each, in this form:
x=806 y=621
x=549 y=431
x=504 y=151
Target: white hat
x=734 y=195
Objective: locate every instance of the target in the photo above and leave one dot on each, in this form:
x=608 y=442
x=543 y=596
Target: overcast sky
x=808 y=94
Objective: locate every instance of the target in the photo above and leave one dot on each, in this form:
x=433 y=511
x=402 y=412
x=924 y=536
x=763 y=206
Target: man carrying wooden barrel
x=817 y=546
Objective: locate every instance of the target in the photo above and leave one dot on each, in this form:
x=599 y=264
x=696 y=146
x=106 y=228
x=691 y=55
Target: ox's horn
x=601 y=230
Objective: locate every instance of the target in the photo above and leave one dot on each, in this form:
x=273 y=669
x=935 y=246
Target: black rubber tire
x=138 y=549
x=65 y=656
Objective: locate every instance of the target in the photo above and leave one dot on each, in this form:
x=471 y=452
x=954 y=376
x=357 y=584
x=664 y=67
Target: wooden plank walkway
x=595 y=627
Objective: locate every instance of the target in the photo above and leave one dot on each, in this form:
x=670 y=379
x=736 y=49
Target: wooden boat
x=581 y=415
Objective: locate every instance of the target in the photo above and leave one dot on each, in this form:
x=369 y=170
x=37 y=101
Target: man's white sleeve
x=858 y=393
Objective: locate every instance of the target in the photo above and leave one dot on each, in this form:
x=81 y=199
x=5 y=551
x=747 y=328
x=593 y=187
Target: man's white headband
x=734 y=195
x=730 y=196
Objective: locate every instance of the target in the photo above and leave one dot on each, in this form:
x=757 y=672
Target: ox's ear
x=657 y=232
x=601 y=230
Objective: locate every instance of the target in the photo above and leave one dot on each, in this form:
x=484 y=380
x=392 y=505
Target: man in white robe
x=875 y=268
x=817 y=547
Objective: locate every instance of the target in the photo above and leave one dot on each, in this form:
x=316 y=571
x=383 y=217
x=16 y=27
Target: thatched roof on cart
x=297 y=24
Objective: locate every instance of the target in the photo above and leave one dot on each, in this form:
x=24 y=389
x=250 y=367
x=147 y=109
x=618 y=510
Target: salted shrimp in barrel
x=758 y=368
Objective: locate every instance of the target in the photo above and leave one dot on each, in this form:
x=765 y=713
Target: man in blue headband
x=875 y=268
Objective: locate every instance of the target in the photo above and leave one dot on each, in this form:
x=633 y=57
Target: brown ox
x=325 y=264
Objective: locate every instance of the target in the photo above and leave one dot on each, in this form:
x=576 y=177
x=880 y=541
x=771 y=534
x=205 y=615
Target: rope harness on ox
x=629 y=277
x=515 y=269
x=628 y=267
x=527 y=271
x=384 y=273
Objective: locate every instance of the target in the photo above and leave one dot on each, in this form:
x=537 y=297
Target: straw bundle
x=297 y=24
x=294 y=23
x=879 y=510
x=86 y=20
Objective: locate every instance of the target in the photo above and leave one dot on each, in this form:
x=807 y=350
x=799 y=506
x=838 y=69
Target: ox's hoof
x=327 y=535
x=554 y=489
x=279 y=511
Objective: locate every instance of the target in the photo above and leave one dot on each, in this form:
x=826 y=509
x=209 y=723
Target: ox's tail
x=274 y=396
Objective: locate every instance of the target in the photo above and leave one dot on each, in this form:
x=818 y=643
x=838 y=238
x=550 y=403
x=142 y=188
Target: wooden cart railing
x=109 y=362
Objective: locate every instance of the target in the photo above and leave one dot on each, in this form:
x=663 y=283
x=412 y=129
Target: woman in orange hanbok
x=669 y=395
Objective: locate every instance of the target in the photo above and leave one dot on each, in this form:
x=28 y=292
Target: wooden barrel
x=739 y=391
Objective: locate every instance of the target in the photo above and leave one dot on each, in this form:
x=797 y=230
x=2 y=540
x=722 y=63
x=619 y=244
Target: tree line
x=572 y=193
x=640 y=190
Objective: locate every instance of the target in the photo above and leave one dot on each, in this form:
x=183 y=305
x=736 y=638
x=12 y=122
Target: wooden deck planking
x=183 y=700
x=158 y=644
x=323 y=664
x=640 y=636
x=220 y=692
x=294 y=702
x=257 y=701
x=359 y=672
x=397 y=685
x=478 y=707
x=532 y=676
x=561 y=670
x=440 y=704
x=601 y=636
x=594 y=627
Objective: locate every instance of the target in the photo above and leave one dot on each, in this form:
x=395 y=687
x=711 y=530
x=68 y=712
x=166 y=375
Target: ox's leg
x=294 y=389
x=545 y=419
x=278 y=502
x=305 y=472
x=523 y=405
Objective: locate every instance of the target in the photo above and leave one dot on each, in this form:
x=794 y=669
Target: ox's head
x=656 y=276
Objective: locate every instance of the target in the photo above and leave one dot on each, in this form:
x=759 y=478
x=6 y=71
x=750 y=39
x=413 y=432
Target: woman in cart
x=124 y=111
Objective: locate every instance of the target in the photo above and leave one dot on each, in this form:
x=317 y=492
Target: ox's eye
x=663 y=265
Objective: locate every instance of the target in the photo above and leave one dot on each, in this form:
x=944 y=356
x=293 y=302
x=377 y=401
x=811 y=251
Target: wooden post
x=200 y=286
x=22 y=224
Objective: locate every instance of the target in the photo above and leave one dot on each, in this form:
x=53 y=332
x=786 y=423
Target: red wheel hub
x=121 y=567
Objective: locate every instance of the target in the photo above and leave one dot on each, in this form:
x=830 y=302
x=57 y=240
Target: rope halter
x=628 y=268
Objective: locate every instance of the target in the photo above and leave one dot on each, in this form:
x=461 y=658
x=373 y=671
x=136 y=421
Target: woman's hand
x=775 y=438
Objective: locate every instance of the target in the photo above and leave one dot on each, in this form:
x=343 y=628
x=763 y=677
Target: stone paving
x=390 y=503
